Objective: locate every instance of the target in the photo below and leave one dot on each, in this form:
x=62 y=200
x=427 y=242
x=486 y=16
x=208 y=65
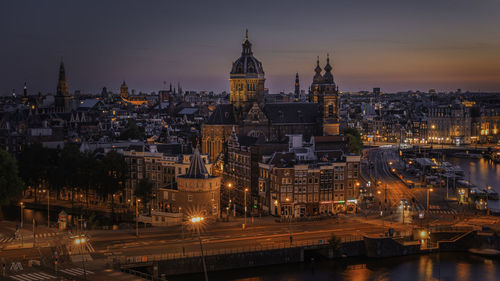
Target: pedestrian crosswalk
x=7 y=238
x=76 y=271
x=436 y=210
x=33 y=276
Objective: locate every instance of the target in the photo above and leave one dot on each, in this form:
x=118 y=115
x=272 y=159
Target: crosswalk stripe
x=71 y=271
x=41 y=276
x=32 y=276
x=18 y=278
x=76 y=271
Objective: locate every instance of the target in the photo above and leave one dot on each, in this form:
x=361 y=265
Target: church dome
x=247 y=63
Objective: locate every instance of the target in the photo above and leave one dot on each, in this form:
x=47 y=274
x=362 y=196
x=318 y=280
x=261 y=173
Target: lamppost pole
x=22 y=214
x=196 y=221
x=429 y=190
x=245 y=200
x=137 y=217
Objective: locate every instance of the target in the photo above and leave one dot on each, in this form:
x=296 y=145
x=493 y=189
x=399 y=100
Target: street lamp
x=429 y=190
x=22 y=214
x=245 y=202
x=196 y=223
x=48 y=207
x=290 y=220
x=229 y=202
x=137 y=217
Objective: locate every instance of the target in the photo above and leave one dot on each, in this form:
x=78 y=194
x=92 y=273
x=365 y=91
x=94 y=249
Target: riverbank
x=369 y=247
x=434 y=266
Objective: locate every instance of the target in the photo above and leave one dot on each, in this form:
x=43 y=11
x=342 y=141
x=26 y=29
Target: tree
x=11 y=185
x=112 y=173
x=335 y=242
x=132 y=131
x=88 y=173
x=34 y=166
x=144 y=191
x=354 y=138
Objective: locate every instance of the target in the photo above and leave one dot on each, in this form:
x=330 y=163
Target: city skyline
x=396 y=47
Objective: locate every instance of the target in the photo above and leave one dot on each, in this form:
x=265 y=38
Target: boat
x=492 y=194
x=485 y=252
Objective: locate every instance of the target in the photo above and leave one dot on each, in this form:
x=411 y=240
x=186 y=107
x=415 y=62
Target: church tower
x=246 y=81
x=62 y=98
x=325 y=92
x=330 y=104
x=297 y=87
x=124 y=91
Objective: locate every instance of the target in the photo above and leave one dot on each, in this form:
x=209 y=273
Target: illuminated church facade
x=250 y=115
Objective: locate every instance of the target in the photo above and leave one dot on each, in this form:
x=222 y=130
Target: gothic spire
x=62 y=85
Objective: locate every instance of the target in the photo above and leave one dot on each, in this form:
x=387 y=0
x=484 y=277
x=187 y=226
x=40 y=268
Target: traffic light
x=255 y=206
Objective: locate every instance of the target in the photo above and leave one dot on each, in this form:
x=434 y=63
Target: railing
x=447 y=228
x=142 y=274
x=226 y=251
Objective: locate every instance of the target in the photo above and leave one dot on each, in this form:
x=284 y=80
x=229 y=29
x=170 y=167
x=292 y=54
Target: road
x=229 y=237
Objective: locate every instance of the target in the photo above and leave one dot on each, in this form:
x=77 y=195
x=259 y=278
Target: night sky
x=393 y=44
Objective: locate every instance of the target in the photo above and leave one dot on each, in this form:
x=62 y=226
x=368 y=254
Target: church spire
x=297 y=86
x=328 y=77
x=318 y=79
x=62 y=85
x=247 y=46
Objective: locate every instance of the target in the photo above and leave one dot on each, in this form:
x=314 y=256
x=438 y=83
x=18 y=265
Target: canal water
x=444 y=266
x=482 y=173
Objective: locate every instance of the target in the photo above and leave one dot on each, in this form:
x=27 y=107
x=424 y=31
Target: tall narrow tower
x=325 y=93
x=246 y=80
x=297 y=87
x=124 y=91
x=62 y=98
x=330 y=106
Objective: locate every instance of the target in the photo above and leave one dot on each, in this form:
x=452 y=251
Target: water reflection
x=445 y=266
x=482 y=173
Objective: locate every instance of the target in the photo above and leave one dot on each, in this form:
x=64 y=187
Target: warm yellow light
x=390 y=163
x=229 y=185
x=423 y=234
x=287 y=199
x=77 y=241
x=82 y=240
x=196 y=219
x=431 y=190
x=246 y=189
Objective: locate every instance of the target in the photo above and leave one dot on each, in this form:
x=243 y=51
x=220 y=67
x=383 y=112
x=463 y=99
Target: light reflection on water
x=482 y=173
x=458 y=266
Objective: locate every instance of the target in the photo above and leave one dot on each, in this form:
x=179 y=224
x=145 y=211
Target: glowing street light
x=429 y=190
x=22 y=214
x=136 y=216
x=245 y=202
x=229 y=201
x=196 y=223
